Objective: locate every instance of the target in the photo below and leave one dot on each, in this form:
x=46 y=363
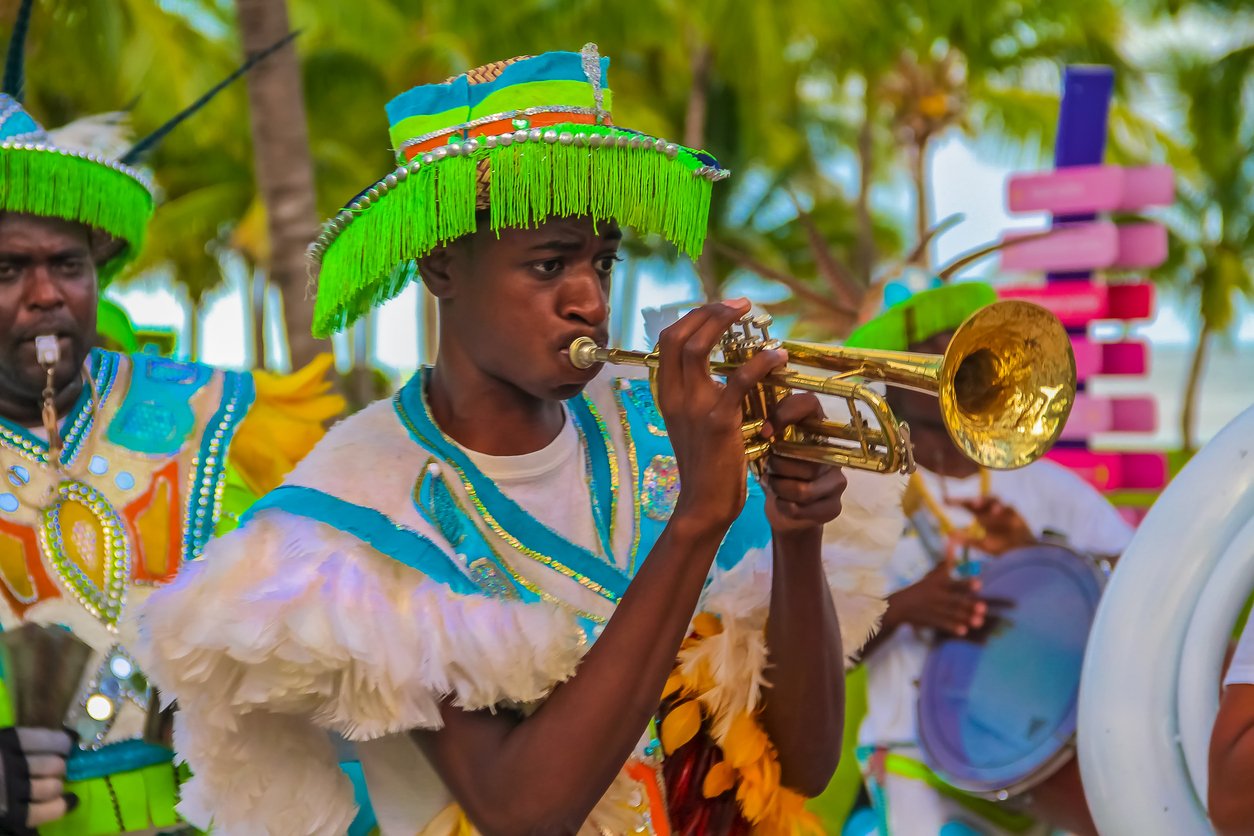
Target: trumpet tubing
x=1006 y=385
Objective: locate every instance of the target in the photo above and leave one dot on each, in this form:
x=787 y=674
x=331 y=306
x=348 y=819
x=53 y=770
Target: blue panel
x=370 y=526
x=157 y=417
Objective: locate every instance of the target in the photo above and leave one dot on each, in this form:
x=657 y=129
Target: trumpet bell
x=1007 y=384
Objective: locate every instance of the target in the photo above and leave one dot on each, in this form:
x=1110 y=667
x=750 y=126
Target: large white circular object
x=1149 y=690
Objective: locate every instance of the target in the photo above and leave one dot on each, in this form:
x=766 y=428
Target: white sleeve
x=1241 y=671
x=1087 y=519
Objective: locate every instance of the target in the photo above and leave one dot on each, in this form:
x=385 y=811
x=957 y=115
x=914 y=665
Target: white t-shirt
x=551 y=484
x=1048 y=496
x=1241 y=671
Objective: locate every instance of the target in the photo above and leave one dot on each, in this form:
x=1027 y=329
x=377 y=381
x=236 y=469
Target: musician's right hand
x=704 y=417
x=32 y=772
x=940 y=602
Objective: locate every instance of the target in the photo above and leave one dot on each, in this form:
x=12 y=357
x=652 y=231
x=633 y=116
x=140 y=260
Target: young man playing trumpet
x=493 y=581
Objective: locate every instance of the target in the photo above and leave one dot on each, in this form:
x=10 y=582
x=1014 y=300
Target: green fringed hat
x=521 y=141
x=85 y=172
x=922 y=315
x=40 y=176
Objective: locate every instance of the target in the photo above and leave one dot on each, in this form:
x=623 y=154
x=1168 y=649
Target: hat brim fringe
x=637 y=185
x=52 y=184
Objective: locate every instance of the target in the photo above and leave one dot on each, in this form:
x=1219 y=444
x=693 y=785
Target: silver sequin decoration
x=591 y=57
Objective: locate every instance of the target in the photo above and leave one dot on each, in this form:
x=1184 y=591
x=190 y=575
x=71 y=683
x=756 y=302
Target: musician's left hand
x=1001 y=528
x=800 y=495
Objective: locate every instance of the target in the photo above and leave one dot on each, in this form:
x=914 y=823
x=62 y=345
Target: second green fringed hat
x=522 y=141
x=42 y=176
x=922 y=315
x=85 y=172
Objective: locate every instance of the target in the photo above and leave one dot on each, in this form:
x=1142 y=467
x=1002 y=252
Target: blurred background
x=870 y=141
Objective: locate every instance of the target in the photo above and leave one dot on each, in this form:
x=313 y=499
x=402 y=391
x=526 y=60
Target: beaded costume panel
x=134 y=494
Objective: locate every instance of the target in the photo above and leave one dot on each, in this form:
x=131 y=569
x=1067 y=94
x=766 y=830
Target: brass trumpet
x=1006 y=385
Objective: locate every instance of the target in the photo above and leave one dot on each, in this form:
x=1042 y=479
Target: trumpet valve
x=757 y=451
x=751 y=430
x=762 y=322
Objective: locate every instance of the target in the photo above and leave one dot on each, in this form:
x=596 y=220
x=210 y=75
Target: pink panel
x=1115 y=471
x=1123 y=358
x=1089 y=415
x=1069 y=191
x=1087 y=246
x=1088 y=358
x=1095 y=414
x=1129 y=357
x=1152 y=185
x=1144 y=471
x=1129 y=301
x=1091 y=188
x=1141 y=246
x=1133 y=415
x=1076 y=304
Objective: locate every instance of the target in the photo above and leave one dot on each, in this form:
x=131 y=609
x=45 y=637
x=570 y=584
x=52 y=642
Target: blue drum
x=997 y=709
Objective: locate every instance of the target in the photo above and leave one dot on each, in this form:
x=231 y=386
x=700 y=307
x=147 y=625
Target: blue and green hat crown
x=520 y=141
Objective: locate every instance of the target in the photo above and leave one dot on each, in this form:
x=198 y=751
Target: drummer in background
x=957 y=514
x=1230 y=802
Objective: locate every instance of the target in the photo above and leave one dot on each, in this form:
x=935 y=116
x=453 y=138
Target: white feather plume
x=104 y=134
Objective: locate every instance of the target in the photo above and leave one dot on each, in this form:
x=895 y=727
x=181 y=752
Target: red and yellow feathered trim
x=750 y=765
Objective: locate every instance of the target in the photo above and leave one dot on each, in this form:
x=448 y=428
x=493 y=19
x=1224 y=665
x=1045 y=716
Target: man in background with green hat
x=538 y=599
x=951 y=505
x=115 y=469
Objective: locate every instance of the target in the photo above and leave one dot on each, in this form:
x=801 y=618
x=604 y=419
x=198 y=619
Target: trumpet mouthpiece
x=583 y=353
x=47 y=350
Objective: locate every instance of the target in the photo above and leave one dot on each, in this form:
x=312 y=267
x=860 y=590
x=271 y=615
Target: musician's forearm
x=1231 y=804
x=804 y=705
x=546 y=772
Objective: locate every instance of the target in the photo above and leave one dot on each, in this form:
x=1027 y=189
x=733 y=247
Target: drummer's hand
x=1002 y=528
x=938 y=601
x=800 y=495
x=33 y=765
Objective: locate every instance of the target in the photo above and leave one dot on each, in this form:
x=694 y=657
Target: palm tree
x=283 y=167
x=1211 y=256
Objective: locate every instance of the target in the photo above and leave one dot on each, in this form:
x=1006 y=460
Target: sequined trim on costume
x=605 y=527
x=204 y=498
x=97 y=537
x=660 y=489
x=642 y=399
x=620 y=393
x=117 y=680
x=80 y=422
